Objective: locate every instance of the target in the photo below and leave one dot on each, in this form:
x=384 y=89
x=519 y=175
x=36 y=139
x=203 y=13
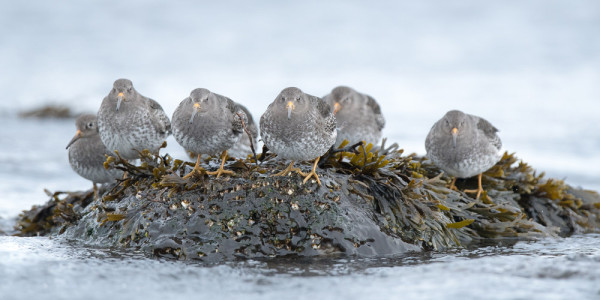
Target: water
x=549 y=269
x=530 y=67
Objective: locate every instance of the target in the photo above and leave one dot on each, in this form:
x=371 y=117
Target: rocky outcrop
x=371 y=203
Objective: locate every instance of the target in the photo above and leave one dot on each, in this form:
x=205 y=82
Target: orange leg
x=197 y=168
x=290 y=168
x=479 y=187
x=313 y=172
x=452 y=186
x=221 y=170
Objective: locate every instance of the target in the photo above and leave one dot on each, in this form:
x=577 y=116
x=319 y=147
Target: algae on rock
x=372 y=202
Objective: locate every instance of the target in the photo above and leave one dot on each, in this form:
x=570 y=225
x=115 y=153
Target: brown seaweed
x=373 y=201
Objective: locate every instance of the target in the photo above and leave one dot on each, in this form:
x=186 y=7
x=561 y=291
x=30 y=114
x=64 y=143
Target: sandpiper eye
x=114 y=90
x=447 y=122
x=90 y=125
x=129 y=90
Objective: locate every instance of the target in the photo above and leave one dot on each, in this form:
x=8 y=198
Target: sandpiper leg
x=221 y=170
x=452 y=186
x=196 y=169
x=290 y=169
x=479 y=187
x=313 y=173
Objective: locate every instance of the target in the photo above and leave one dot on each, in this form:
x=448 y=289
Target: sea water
x=548 y=269
x=529 y=67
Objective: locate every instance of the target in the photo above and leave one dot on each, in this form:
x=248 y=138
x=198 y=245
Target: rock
x=2 y=224
x=48 y=111
x=370 y=204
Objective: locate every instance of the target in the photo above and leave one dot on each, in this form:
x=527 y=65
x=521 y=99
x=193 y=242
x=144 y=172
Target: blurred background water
x=532 y=68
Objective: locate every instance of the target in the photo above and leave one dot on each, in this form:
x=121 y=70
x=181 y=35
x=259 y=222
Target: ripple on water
x=552 y=268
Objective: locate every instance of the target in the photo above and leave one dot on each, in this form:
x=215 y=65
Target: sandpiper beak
x=336 y=107
x=120 y=98
x=75 y=138
x=290 y=106
x=195 y=109
x=454 y=135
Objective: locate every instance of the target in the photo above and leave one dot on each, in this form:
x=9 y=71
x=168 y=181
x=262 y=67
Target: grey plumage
x=473 y=149
x=87 y=152
x=358 y=115
x=130 y=122
x=298 y=126
x=215 y=125
x=242 y=149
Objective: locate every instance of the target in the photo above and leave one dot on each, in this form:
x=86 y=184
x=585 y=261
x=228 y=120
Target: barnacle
x=367 y=188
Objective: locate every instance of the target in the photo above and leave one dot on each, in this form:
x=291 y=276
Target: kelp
x=374 y=201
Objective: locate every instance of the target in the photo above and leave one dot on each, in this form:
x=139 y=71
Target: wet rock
x=1 y=227
x=48 y=111
x=371 y=203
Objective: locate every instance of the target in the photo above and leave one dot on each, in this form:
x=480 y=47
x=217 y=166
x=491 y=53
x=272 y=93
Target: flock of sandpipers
x=296 y=126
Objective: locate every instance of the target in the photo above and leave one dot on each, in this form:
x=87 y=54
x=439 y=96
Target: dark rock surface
x=369 y=205
x=48 y=111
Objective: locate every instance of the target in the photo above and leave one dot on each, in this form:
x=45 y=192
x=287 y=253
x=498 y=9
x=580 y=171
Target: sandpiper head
x=292 y=100
x=87 y=126
x=453 y=123
x=201 y=99
x=341 y=97
x=122 y=90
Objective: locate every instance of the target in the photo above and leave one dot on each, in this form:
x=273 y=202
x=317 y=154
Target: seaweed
x=374 y=201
